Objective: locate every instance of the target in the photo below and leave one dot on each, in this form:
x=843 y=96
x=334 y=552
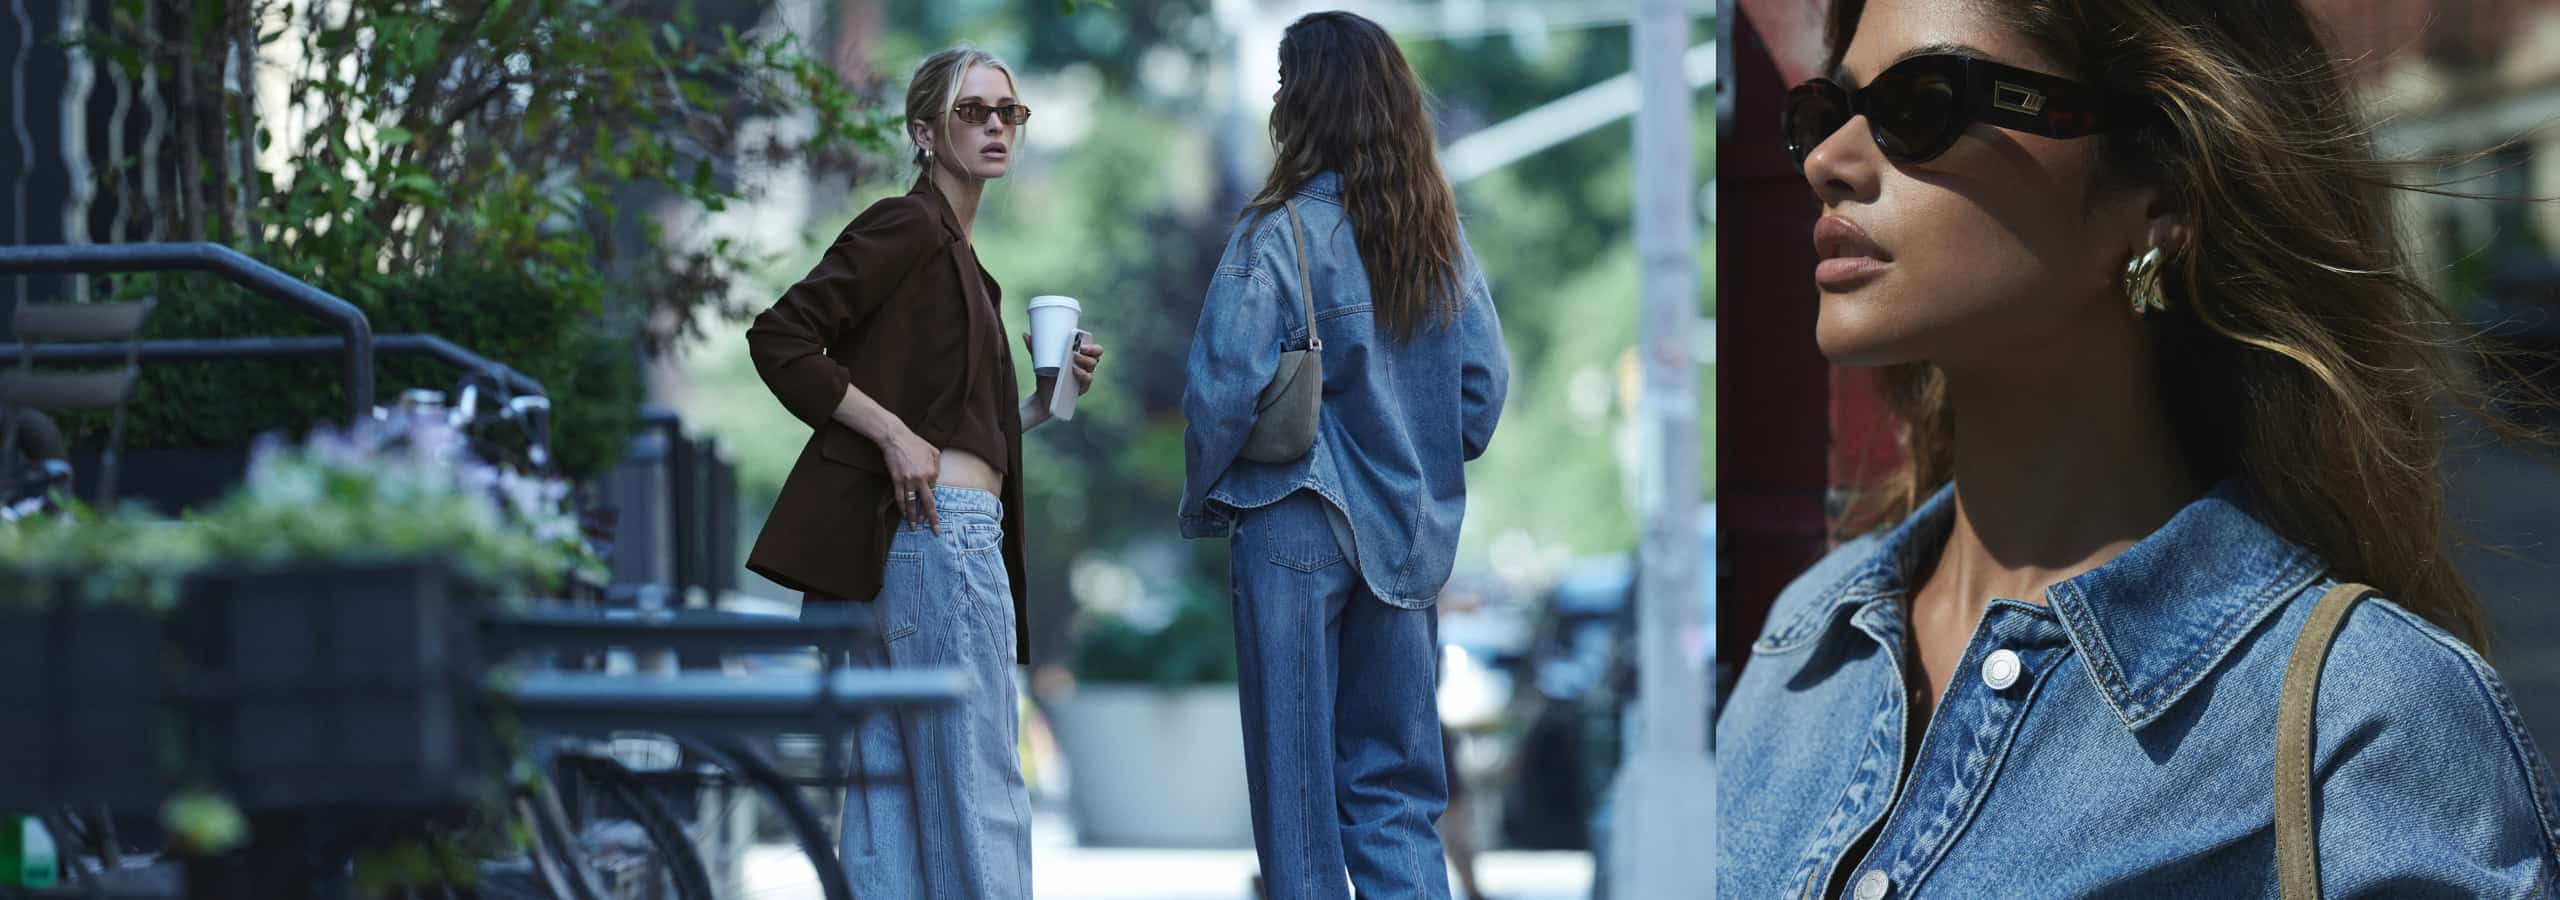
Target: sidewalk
x=1062 y=871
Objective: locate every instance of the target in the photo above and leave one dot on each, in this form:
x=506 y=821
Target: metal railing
x=679 y=497
x=206 y=349
x=355 y=343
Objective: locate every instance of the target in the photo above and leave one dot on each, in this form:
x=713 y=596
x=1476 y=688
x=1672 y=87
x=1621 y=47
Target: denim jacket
x=2130 y=752
x=1398 y=417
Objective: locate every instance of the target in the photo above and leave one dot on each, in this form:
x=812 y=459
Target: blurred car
x=1570 y=746
x=1700 y=646
x=1583 y=663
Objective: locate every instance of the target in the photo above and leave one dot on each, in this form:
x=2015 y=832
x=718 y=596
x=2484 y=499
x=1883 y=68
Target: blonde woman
x=908 y=494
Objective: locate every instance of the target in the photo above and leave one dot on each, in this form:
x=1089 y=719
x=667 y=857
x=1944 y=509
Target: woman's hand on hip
x=914 y=467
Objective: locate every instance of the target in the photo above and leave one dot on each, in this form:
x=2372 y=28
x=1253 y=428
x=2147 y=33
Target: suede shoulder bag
x=1284 y=415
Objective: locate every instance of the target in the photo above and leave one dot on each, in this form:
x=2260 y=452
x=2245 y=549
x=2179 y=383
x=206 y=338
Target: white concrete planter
x=1156 y=767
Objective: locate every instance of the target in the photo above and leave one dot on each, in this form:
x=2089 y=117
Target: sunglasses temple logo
x=2017 y=99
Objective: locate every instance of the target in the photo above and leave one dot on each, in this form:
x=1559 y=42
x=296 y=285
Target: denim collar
x=1326 y=186
x=2149 y=624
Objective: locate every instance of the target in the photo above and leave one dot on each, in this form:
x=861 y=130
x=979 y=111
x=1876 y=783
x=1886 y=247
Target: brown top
x=899 y=306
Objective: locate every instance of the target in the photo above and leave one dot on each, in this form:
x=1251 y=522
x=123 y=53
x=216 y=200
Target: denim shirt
x=1398 y=419
x=2131 y=754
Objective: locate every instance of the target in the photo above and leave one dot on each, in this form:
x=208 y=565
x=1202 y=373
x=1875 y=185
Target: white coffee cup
x=1053 y=331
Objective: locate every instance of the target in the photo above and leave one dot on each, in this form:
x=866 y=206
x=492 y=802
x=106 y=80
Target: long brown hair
x=1349 y=103
x=2301 y=351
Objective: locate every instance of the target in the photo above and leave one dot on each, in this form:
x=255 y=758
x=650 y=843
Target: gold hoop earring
x=2142 y=283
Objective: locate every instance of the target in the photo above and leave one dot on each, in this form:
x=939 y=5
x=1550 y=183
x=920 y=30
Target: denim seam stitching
x=1894 y=808
x=1829 y=843
x=975 y=632
x=1306 y=793
x=897 y=630
x=1901 y=740
x=1801 y=628
x=1402 y=572
x=1304 y=567
x=978 y=631
x=2116 y=687
x=1991 y=773
x=2096 y=657
x=1846 y=589
x=1220 y=493
x=1266 y=234
x=2519 y=741
x=1340 y=311
x=960 y=536
x=2289 y=580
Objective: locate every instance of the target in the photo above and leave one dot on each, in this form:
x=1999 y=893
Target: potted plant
x=330 y=642
x=81 y=600
x=1152 y=733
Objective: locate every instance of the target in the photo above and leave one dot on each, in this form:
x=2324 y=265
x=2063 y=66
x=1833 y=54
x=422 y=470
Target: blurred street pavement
x=2508 y=503
x=1062 y=871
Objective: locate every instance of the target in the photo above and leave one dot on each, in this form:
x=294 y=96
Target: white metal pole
x=1662 y=833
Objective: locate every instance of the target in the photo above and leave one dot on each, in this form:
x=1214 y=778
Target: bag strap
x=1306 y=291
x=2297 y=843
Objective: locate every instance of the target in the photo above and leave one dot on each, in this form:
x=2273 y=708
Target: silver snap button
x=2001 y=670
x=1872 y=885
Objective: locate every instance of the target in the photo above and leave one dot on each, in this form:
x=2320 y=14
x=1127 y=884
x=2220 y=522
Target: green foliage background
x=584 y=360
x=486 y=171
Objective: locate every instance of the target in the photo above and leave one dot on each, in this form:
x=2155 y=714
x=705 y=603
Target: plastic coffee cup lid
x=1048 y=300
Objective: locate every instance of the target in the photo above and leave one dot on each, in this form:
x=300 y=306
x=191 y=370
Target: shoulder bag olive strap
x=2297 y=845
x=1306 y=290
x=1285 y=412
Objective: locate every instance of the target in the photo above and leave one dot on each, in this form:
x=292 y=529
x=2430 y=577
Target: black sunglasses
x=976 y=113
x=1917 y=108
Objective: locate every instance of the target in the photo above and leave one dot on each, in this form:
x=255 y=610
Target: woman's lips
x=1849 y=257
x=1847 y=272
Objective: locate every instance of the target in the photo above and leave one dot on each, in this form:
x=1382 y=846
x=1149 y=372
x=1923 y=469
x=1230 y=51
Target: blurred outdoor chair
x=26 y=389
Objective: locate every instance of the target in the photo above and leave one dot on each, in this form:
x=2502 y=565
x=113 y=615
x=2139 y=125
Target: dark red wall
x=1780 y=404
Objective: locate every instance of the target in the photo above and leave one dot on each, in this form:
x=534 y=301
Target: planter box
x=1156 y=767
x=80 y=706
x=342 y=686
x=171 y=480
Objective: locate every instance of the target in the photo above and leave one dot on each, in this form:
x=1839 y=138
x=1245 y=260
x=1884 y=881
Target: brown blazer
x=900 y=306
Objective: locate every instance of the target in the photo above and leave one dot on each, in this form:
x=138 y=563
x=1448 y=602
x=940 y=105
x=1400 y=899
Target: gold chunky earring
x=2142 y=283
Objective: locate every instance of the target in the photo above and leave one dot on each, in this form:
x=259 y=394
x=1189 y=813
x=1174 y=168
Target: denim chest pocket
x=1344 y=328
